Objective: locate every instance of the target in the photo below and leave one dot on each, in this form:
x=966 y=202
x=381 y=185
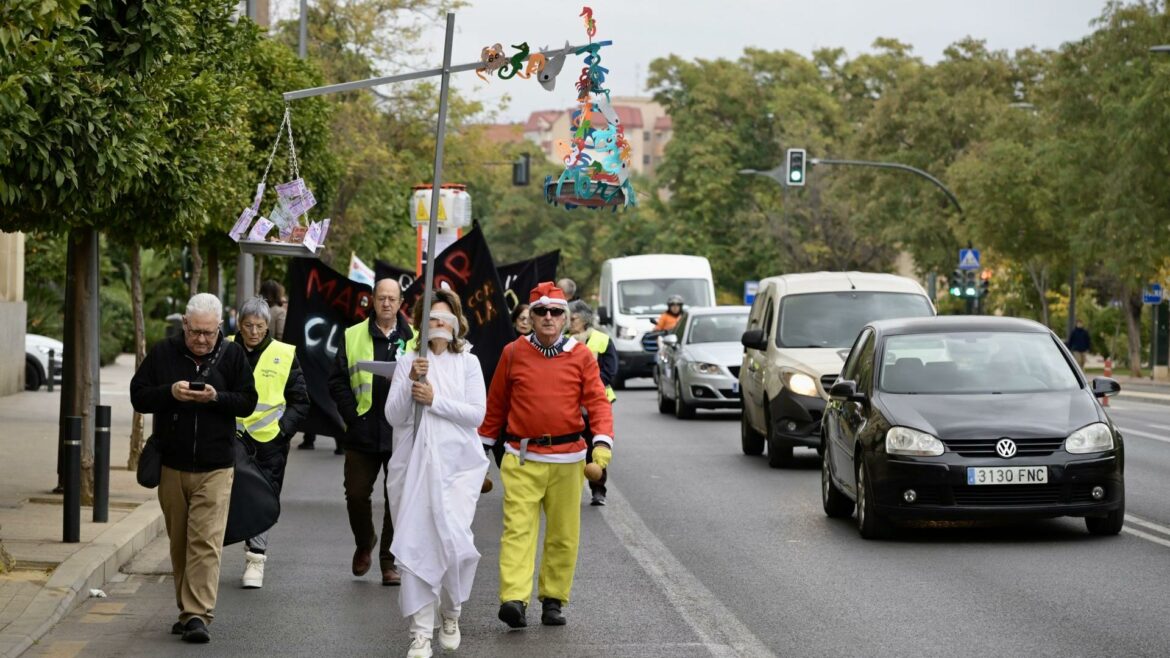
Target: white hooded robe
x=435 y=478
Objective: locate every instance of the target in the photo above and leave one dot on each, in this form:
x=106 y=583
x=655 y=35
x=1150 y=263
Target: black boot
x=195 y=631
x=551 y=614
x=512 y=614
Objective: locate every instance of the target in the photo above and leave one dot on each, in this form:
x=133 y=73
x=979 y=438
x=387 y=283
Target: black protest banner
x=384 y=270
x=322 y=304
x=520 y=278
x=467 y=268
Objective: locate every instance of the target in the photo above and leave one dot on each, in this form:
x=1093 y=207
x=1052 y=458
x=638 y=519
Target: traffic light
x=984 y=283
x=971 y=283
x=796 y=167
x=956 y=283
x=520 y=170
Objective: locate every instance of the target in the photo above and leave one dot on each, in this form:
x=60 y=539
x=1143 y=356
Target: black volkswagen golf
x=969 y=418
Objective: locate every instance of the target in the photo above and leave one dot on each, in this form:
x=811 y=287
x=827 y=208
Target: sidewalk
x=1141 y=389
x=50 y=576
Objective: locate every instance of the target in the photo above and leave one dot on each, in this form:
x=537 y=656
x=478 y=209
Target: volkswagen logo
x=1006 y=448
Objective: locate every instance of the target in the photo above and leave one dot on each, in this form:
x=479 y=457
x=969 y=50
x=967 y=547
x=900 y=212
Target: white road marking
x=719 y=629
x=1147 y=435
x=1146 y=536
x=1160 y=427
x=1148 y=524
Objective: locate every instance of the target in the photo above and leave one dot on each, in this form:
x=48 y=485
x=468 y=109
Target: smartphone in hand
x=196 y=386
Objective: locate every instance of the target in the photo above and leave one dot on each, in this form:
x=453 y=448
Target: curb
x=89 y=568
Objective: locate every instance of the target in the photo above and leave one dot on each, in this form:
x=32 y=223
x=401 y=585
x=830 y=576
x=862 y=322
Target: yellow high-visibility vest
x=598 y=342
x=359 y=346
x=271 y=375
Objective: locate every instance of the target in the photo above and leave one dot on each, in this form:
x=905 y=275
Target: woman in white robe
x=435 y=475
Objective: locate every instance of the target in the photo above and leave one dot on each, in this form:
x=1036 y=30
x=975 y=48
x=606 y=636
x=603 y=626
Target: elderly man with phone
x=196 y=384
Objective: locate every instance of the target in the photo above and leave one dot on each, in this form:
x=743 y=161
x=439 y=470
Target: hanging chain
x=272 y=156
x=293 y=165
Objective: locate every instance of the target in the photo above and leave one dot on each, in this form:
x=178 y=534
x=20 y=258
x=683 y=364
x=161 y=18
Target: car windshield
x=833 y=319
x=723 y=328
x=975 y=362
x=648 y=296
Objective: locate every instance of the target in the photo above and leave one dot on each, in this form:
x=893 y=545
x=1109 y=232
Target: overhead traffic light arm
x=892 y=165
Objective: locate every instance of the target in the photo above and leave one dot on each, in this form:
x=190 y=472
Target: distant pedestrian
x=598 y=342
x=273 y=293
x=435 y=474
x=521 y=320
x=283 y=404
x=1079 y=343
x=369 y=440
x=569 y=287
x=196 y=384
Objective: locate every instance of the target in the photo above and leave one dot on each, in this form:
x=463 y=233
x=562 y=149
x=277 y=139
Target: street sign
x=1152 y=294
x=969 y=259
x=750 y=288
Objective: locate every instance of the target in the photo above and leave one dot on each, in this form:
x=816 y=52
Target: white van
x=633 y=294
x=799 y=331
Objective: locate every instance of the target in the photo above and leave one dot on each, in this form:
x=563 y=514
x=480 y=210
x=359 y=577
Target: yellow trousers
x=555 y=488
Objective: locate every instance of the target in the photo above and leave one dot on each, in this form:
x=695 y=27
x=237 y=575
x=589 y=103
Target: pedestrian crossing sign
x=969 y=259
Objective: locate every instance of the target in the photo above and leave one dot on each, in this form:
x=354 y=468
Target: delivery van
x=632 y=295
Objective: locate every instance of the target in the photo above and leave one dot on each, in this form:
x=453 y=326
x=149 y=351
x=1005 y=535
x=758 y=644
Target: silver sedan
x=698 y=362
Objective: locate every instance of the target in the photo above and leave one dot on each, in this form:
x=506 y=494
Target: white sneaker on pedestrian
x=449 y=636
x=253 y=570
x=420 y=647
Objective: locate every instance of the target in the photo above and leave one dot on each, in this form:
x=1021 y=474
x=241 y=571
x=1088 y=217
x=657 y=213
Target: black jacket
x=194 y=436
x=296 y=394
x=370 y=432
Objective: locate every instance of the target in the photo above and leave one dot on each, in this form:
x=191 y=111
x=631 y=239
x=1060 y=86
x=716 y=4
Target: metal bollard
x=101 y=465
x=52 y=359
x=72 y=522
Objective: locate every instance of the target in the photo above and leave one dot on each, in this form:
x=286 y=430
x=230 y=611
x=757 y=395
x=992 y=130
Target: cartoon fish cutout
x=552 y=68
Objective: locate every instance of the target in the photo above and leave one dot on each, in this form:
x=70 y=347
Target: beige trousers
x=195 y=507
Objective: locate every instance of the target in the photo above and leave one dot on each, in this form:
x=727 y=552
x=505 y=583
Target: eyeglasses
x=254 y=327
x=544 y=310
x=195 y=333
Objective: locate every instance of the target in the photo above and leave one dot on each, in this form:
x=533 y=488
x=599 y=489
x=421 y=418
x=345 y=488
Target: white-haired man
x=196 y=384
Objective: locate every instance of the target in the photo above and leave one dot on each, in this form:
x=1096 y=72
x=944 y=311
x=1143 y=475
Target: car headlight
x=626 y=333
x=906 y=441
x=800 y=383
x=704 y=368
x=1090 y=438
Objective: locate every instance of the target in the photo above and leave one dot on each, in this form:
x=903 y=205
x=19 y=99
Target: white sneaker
x=449 y=636
x=254 y=570
x=420 y=647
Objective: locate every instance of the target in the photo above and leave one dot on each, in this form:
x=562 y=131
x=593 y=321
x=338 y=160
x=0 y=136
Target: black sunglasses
x=544 y=310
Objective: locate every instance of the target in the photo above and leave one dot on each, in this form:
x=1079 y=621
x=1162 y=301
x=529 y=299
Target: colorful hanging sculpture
x=600 y=179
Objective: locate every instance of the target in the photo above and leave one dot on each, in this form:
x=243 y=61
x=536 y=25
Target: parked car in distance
x=969 y=417
x=698 y=365
x=799 y=331
x=37 y=365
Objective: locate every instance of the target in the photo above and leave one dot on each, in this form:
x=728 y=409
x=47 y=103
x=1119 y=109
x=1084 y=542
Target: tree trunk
x=138 y=424
x=196 y=266
x=1039 y=274
x=79 y=385
x=259 y=276
x=1133 y=329
x=213 y=281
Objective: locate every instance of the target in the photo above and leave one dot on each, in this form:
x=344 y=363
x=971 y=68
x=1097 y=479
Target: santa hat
x=547 y=294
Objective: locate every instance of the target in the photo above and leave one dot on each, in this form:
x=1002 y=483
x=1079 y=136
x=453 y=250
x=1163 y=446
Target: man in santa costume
x=534 y=406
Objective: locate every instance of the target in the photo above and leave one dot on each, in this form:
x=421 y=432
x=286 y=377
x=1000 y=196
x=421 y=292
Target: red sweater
x=532 y=395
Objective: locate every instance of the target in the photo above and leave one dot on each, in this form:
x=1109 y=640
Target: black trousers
x=361 y=474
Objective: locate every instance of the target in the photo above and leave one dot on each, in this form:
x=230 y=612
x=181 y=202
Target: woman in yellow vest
x=283 y=403
x=581 y=328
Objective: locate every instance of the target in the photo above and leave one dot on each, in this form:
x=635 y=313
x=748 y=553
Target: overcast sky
x=643 y=30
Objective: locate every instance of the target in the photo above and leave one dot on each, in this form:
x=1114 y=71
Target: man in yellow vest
x=598 y=342
x=283 y=403
x=369 y=440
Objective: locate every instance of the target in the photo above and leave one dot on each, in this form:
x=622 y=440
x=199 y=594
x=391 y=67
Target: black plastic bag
x=255 y=505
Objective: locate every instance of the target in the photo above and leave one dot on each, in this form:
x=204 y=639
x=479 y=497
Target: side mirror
x=1105 y=387
x=846 y=390
x=603 y=316
x=670 y=339
x=753 y=339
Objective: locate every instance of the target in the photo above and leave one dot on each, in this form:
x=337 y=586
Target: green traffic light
x=970 y=292
x=957 y=292
x=795 y=176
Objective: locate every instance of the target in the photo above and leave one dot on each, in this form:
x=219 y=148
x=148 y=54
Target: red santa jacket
x=532 y=395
